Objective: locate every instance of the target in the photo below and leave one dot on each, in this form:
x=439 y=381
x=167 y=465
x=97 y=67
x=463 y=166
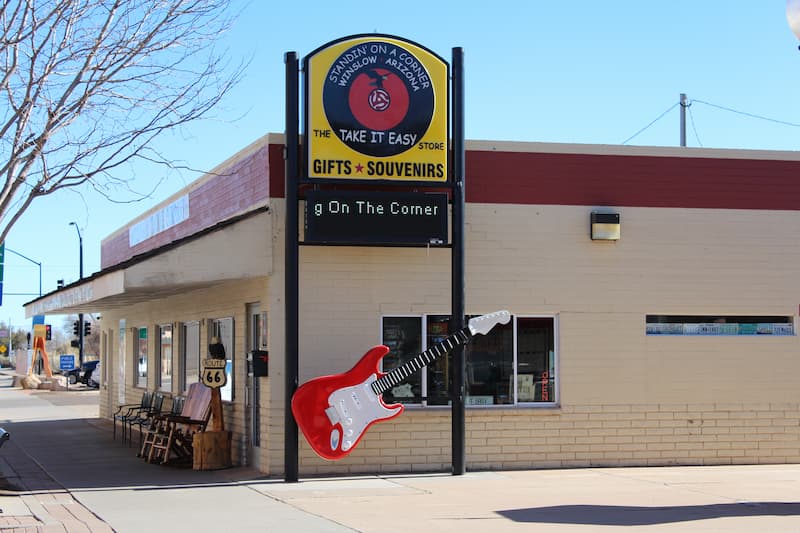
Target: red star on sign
x=359 y=168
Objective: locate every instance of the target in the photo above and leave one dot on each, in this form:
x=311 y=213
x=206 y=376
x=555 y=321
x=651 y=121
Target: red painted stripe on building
x=616 y=180
x=519 y=178
x=634 y=181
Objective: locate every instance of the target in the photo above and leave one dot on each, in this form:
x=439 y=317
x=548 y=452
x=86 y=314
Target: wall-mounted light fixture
x=605 y=226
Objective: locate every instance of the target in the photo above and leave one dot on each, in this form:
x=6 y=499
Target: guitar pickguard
x=354 y=408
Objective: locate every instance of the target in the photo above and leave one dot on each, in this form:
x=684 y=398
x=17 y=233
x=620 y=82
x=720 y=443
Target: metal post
x=684 y=105
x=457 y=277
x=292 y=296
x=80 y=277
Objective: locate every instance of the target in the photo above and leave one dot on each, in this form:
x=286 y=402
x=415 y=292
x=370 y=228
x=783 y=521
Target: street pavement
x=61 y=471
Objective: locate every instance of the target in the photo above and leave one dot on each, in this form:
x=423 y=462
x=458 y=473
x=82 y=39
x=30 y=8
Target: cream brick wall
x=624 y=398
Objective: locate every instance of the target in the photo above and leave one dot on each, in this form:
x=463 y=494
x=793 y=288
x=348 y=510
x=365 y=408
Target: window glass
x=438 y=372
x=165 y=356
x=535 y=360
x=719 y=325
x=490 y=367
x=222 y=328
x=190 y=353
x=499 y=371
x=141 y=357
x=403 y=336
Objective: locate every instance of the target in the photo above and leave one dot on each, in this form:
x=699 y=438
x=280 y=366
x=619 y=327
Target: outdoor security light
x=605 y=226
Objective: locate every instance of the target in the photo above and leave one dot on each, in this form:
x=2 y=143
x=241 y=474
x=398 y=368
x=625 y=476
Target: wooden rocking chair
x=173 y=440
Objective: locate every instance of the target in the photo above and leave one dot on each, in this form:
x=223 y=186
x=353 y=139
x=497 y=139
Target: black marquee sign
x=337 y=217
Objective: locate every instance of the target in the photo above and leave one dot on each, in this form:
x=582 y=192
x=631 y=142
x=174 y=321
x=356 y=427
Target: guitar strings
x=400 y=373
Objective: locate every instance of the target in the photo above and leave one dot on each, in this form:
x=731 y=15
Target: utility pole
x=684 y=105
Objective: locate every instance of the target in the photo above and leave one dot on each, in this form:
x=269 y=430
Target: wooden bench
x=170 y=437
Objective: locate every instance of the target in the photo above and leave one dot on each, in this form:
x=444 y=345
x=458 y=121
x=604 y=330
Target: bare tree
x=88 y=85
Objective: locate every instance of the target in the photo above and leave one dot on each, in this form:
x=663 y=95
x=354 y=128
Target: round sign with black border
x=385 y=91
x=376 y=108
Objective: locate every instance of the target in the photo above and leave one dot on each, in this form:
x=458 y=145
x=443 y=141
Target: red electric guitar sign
x=334 y=412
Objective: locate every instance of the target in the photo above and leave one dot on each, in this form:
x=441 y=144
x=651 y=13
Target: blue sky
x=575 y=72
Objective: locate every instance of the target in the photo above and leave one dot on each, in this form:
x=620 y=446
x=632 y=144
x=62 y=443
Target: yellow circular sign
x=3 y=348
x=377 y=109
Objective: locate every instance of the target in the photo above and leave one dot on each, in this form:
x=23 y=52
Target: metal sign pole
x=292 y=297
x=458 y=416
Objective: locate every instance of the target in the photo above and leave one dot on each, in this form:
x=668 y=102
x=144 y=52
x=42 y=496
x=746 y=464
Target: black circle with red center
x=380 y=88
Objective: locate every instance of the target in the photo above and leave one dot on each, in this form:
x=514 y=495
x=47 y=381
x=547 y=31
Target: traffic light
x=48 y=332
x=87 y=328
x=76 y=328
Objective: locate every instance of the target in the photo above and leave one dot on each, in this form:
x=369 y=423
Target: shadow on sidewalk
x=80 y=454
x=625 y=515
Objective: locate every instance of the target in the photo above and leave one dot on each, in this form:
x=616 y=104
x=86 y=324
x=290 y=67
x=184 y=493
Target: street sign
x=213 y=374
x=66 y=362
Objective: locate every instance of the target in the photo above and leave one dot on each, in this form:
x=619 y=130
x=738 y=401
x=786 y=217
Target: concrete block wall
x=577 y=437
x=625 y=398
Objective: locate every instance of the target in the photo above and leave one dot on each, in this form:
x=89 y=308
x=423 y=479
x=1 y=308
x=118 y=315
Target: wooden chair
x=155 y=424
x=126 y=411
x=173 y=441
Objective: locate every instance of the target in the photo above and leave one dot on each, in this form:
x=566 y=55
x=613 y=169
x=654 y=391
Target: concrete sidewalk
x=61 y=471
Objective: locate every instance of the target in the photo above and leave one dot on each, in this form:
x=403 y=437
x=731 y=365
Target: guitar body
x=334 y=412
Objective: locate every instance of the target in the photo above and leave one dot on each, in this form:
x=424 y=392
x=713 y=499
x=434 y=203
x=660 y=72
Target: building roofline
x=625 y=150
x=262 y=141
x=156 y=251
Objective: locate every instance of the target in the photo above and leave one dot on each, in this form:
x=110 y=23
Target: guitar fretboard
x=399 y=374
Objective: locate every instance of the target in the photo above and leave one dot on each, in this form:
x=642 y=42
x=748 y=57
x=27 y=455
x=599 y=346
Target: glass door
x=256 y=336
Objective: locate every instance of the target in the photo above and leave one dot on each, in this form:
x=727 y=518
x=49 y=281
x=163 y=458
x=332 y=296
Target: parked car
x=84 y=374
x=94 y=378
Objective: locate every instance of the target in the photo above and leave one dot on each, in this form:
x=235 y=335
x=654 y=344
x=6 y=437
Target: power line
x=746 y=114
x=659 y=117
x=717 y=106
x=694 y=128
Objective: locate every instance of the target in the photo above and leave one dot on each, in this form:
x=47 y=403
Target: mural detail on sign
x=377 y=108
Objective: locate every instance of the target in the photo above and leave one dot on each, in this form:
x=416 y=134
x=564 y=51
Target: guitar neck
x=399 y=374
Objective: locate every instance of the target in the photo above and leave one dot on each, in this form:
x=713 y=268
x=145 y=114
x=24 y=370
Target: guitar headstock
x=481 y=325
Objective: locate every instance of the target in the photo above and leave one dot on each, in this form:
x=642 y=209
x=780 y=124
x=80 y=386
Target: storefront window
x=222 y=328
x=190 y=354
x=403 y=336
x=719 y=325
x=499 y=371
x=535 y=360
x=438 y=372
x=490 y=367
x=141 y=357
x=165 y=356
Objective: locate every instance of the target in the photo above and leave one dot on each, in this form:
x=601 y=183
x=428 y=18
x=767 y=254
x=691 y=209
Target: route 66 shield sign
x=213 y=374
